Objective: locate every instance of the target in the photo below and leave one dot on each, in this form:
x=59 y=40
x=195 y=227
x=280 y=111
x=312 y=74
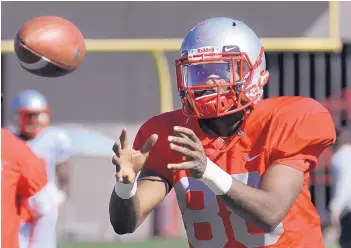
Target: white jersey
x=341 y=169
x=54 y=146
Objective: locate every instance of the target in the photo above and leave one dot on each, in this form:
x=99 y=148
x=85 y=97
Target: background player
x=22 y=174
x=340 y=205
x=54 y=146
x=240 y=165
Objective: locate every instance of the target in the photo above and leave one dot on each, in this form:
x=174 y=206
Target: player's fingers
x=125 y=176
x=119 y=176
x=128 y=178
x=181 y=166
x=149 y=144
x=182 y=150
x=188 y=132
x=117 y=147
x=123 y=138
x=116 y=161
x=185 y=141
x=180 y=134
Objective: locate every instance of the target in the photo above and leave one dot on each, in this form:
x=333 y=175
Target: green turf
x=154 y=243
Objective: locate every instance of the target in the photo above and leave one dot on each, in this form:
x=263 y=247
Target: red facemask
x=33 y=122
x=216 y=84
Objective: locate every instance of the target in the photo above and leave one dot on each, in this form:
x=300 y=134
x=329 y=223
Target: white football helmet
x=32 y=110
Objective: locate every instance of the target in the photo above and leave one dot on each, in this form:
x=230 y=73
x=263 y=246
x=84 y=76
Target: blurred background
x=115 y=89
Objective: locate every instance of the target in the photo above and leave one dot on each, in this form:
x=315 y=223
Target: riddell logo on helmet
x=205 y=50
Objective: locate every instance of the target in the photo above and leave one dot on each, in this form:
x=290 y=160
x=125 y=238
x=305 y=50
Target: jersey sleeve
x=159 y=155
x=37 y=194
x=300 y=137
x=64 y=146
x=33 y=176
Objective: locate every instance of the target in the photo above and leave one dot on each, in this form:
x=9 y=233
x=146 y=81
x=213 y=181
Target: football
x=49 y=46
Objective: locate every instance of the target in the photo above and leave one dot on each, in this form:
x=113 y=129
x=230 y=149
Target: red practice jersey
x=23 y=175
x=290 y=131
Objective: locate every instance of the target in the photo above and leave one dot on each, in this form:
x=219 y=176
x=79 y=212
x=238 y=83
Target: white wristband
x=126 y=191
x=216 y=179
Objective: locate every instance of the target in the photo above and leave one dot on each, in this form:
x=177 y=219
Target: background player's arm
x=127 y=214
x=33 y=187
x=341 y=187
x=62 y=175
x=63 y=153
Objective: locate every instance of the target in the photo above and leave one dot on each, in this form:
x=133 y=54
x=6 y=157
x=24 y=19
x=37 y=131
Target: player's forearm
x=254 y=205
x=64 y=187
x=128 y=211
x=63 y=178
x=124 y=213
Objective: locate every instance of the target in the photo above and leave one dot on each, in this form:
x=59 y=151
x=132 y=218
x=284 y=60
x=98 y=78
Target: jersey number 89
x=213 y=214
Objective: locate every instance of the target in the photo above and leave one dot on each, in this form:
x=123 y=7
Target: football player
x=240 y=165
x=22 y=175
x=54 y=146
x=340 y=205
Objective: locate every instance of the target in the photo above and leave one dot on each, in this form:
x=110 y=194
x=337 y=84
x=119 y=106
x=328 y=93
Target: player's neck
x=24 y=137
x=225 y=126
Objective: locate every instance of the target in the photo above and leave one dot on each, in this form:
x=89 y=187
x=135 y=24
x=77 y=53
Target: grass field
x=154 y=243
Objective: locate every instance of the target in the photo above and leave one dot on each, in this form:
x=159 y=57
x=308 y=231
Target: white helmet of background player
x=222 y=68
x=33 y=112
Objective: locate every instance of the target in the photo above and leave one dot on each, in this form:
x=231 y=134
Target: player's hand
x=128 y=161
x=188 y=144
